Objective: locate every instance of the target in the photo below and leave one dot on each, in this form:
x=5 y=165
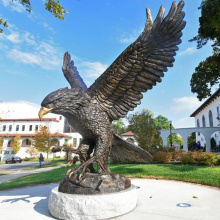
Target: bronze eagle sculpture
x=117 y=91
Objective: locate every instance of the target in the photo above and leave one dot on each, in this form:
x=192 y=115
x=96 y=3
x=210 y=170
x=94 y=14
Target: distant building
x=208 y=115
x=12 y=125
x=129 y=136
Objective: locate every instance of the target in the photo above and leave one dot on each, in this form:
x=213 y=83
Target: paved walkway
x=157 y=200
x=20 y=173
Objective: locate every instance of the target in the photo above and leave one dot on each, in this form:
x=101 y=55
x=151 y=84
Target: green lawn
x=196 y=174
x=52 y=163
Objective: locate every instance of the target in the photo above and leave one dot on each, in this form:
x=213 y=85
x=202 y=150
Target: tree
x=16 y=144
x=1 y=142
x=192 y=141
x=52 y=6
x=143 y=125
x=32 y=151
x=42 y=140
x=207 y=74
x=119 y=126
x=162 y=122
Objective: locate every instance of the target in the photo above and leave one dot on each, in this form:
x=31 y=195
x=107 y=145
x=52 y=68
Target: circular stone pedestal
x=91 y=207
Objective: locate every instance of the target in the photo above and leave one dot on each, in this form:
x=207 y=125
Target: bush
x=217 y=159
x=187 y=157
x=177 y=155
x=206 y=158
x=162 y=157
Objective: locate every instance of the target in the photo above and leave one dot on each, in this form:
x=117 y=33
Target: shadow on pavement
x=36 y=197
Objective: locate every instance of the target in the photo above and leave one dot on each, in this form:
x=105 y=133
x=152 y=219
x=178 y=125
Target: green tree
x=119 y=126
x=207 y=74
x=16 y=144
x=162 y=122
x=143 y=125
x=1 y=142
x=192 y=141
x=52 y=6
x=42 y=140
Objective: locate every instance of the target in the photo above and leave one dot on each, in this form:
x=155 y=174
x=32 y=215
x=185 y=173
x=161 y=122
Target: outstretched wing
x=140 y=66
x=71 y=74
x=122 y=151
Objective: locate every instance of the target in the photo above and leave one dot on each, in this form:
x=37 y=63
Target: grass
x=188 y=173
x=49 y=164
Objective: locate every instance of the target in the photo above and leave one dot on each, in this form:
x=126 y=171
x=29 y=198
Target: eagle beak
x=44 y=111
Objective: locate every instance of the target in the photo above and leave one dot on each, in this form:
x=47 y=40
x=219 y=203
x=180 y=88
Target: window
x=210 y=119
x=30 y=128
x=28 y=142
x=10 y=127
x=198 y=125
x=23 y=127
x=60 y=118
x=7 y=152
x=4 y=127
x=203 y=121
x=218 y=112
x=17 y=127
x=36 y=127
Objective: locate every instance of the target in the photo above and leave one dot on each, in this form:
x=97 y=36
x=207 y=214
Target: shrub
x=187 y=157
x=217 y=159
x=162 y=157
x=206 y=158
x=177 y=155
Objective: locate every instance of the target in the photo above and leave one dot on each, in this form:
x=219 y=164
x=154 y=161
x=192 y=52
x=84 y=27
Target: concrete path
x=20 y=173
x=157 y=200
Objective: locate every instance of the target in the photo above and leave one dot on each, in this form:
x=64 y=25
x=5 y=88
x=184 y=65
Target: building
x=12 y=124
x=207 y=124
x=208 y=115
x=129 y=136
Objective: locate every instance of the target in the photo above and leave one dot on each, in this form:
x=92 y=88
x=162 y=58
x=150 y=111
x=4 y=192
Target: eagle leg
x=82 y=166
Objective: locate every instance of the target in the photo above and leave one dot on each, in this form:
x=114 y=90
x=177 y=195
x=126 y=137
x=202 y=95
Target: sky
x=94 y=32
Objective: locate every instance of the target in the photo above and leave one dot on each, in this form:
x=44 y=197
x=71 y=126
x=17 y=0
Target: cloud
x=93 y=69
x=187 y=51
x=181 y=104
x=13 y=5
x=130 y=37
x=30 y=49
x=14 y=37
x=185 y=122
x=44 y=56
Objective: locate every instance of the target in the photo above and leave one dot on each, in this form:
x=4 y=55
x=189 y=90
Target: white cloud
x=181 y=104
x=93 y=69
x=187 y=51
x=185 y=122
x=14 y=37
x=13 y=5
x=130 y=37
x=46 y=59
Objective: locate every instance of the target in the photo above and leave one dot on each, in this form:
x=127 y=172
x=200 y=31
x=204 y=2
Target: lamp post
x=170 y=122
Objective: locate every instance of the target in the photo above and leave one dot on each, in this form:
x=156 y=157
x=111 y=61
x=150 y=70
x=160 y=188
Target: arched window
x=210 y=119
x=198 y=125
x=203 y=121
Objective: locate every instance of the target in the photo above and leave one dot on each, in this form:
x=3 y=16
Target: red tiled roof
x=130 y=133
x=32 y=135
x=31 y=119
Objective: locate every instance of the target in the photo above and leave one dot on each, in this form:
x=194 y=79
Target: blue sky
x=94 y=32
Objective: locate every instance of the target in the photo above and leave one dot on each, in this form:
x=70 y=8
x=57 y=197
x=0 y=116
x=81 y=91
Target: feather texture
x=140 y=66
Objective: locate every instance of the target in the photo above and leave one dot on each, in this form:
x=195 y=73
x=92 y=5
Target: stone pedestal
x=91 y=207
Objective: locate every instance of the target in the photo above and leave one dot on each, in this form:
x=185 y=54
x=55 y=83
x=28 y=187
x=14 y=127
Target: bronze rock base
x=93 y=183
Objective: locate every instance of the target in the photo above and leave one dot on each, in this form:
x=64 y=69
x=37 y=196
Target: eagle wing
x=139 y=67
x=71 y=73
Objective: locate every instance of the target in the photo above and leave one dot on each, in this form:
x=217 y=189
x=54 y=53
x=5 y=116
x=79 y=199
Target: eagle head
x=61 y=101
